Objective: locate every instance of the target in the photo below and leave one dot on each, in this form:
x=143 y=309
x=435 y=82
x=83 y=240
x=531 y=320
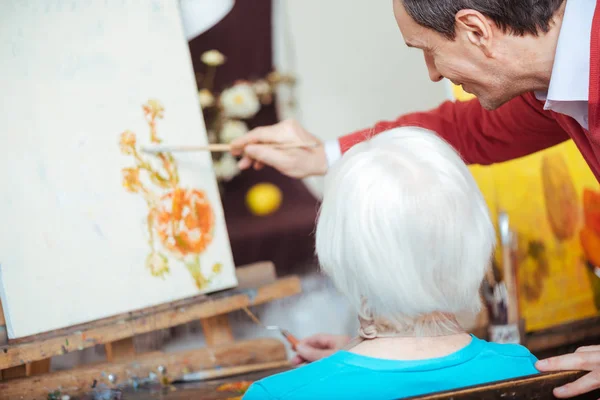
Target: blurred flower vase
x=226 y=113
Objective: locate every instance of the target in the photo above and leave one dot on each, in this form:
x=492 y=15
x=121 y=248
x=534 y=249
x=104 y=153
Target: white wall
x=352 y=64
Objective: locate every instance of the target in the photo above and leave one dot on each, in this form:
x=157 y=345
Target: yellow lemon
x=263 y=199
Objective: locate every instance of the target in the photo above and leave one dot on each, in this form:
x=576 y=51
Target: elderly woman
x=405 y=234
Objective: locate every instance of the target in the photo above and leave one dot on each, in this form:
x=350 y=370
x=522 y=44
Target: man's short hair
x=516 y=16
x=404 y=226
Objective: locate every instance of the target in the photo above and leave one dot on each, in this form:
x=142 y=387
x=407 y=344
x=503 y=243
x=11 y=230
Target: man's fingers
x=238 y=144
x=245 y=163
x=587 y=348
x=585 y=384
x=324 y=342
x=314 y=341
x=267 y=155
x=583 y=360
x=310 y=353
x=263 y=134
x=297 y=360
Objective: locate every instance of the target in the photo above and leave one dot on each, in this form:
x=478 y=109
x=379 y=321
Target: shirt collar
x=570 y=79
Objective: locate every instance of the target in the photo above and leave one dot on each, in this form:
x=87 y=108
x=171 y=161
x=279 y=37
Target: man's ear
x=477 y=29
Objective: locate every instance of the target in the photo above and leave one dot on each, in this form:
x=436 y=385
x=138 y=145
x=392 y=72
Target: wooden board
x=196 y=390
x=217 y=330
x=15 y=372
x=564 y=334
x=119 y=350
x=270 y=352
x=38 y=367
x=29 y=369
x=3 y=331
x=125 y=326
x=537 y=387
x=254 y=275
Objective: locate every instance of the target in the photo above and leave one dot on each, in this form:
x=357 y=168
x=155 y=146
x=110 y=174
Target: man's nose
x=434 y=74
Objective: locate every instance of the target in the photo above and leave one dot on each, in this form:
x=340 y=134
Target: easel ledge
x=145 y=369
x=207 y=308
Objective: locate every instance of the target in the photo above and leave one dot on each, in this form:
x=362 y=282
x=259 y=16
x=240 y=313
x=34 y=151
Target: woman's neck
x=429 y=325
x=412 y=348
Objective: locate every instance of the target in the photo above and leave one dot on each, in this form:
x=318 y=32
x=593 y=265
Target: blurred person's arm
x=319 y=346
x=518 y=128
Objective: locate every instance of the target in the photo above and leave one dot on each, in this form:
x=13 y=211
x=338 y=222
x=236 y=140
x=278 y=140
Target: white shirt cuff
x=333 y=152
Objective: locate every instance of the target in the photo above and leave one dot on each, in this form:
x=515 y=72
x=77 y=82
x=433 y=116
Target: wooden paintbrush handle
x=291 y=339
x=220 y=147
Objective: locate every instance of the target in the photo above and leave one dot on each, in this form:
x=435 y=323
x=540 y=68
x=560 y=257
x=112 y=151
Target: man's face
x=461 y=60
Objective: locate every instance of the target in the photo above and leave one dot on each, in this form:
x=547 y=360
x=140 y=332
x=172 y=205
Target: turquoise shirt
x=346 y=375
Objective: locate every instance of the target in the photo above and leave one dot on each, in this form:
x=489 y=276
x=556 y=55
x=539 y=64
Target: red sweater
x=518 y=128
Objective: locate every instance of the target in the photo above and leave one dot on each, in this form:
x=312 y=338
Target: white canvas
x=80 y=80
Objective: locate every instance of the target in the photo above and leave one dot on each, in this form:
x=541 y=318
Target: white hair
x=404 y=228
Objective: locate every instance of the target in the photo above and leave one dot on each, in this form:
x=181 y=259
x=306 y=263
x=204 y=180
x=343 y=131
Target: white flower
x=206 y=98
x=262 y=87
x=240 y=101
x=226 y=168
x=213 y=58
x=233 y=129
x=212 y=136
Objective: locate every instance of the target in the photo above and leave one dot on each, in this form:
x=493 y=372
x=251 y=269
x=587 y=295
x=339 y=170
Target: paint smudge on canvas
x=180 y=221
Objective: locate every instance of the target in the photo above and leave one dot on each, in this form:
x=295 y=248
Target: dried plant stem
x=209 y=78
x=170 y=168
x=150 y=221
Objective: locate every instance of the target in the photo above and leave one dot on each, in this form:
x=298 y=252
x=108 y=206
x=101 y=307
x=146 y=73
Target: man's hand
x=296 y=163
x=318 y=346
x=584 y=359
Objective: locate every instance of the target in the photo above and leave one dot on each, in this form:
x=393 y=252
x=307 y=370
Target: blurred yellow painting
x=553 y=202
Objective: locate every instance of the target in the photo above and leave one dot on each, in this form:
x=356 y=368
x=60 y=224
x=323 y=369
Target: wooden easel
x=25 y=362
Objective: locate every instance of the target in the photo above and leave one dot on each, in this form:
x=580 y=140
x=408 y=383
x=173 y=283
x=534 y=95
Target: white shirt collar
x=568 y=91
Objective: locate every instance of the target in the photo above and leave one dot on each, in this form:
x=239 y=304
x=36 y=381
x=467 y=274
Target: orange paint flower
x=153 y=108
x=127 y=142
x=131 y=179
x=185 y=221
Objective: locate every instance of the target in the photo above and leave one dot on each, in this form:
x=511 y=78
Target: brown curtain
x=244 y=36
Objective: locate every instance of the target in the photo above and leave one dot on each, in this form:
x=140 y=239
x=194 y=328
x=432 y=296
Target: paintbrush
x=218 y=147
x=286 y=334
x=512 y=303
